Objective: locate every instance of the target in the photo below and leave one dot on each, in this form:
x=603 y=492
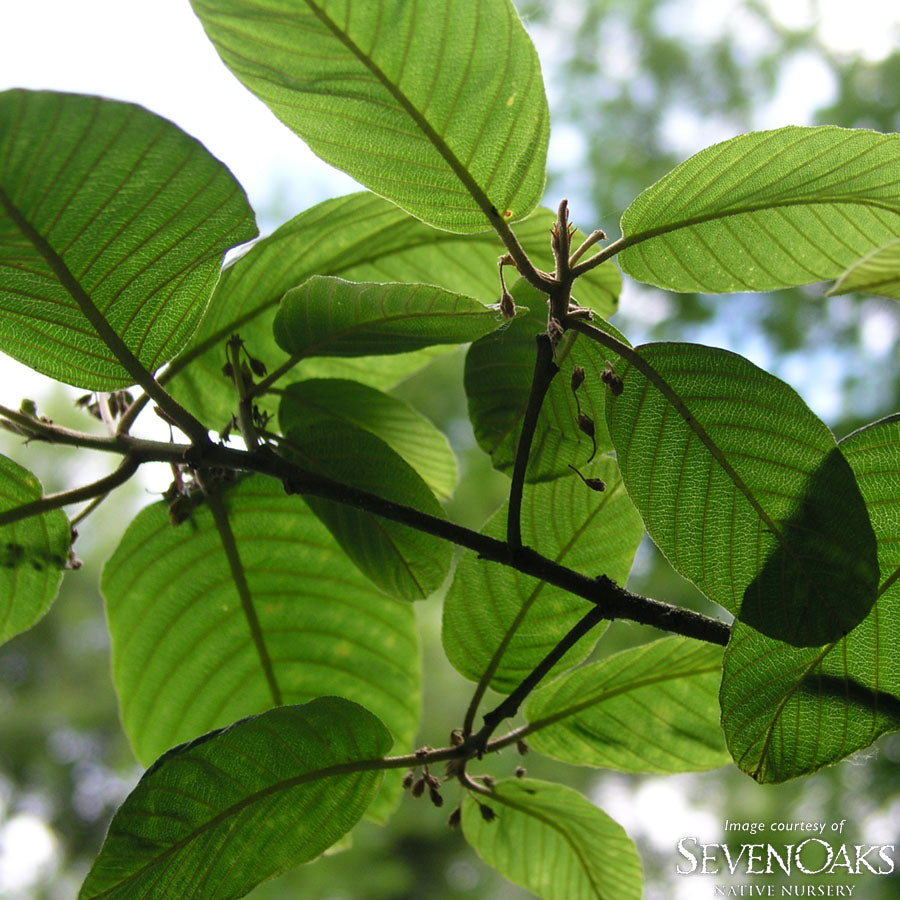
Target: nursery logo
x=793 y=851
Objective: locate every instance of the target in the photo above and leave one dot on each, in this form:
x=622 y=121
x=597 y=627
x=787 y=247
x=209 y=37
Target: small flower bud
x=486 y=813
x=228 y=370
x=507 y=305
x=455 y=816
x=595 y=484
x=433 y=782
x=586 y=424
x=436 y=797
x=488 y=780
x=521 y=747
x=408 y=779
x=418 y=788
x=612 y=381
x=578 y=377
x=258 y=366
x=520 y=771
x=456 y=738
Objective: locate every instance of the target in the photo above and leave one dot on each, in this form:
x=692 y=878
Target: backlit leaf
x=652 y=708
x=395 y=422
x=217 y=816
x=105 y=198
x=788 y=711
x=877 y=273
x=33 y=553
x=438 y=106
x=766 y=210
x=184 y=661
x=360 y=237
x=745 y=491
x=549 y=839
x=406 y=563
x=328 y=316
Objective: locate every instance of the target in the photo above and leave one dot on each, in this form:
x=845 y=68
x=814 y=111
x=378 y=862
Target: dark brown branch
x=544 y=371
x=510 y=706
x=615 y=601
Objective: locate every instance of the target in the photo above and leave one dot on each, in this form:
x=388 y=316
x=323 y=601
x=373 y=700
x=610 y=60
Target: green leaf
x=327 y=316
x=406 y=563
x=33 y=553
x=499 y=620
x=439 y=107
x=407 y=432
x=105 y=204
x=653 y=708
x=217 y=816
x=498 y=377
x=362 y=238
x=766 y=210
x=184 y=660
x=788 y=711
x=550 y=840
x=877 y=273
x=745 y=491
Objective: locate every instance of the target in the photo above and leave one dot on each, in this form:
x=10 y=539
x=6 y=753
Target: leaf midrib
x=631 y=240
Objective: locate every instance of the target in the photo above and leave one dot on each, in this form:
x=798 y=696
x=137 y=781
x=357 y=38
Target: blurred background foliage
x=635 y=86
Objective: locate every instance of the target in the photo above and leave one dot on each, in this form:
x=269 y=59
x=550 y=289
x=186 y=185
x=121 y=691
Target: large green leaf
x=438 y=106
x=745 y=491
x=184 y=657
x=788 y=711
x=33 y=553
x=766 y=210
x=653 y=708
x=498 y=377
x=103 y=203
x=549 y=839
x=362 y=238
x=499 y=619
x=404 y=562
x=877 y=273
x=217 y=816
x=395 y=422
x=328 y=316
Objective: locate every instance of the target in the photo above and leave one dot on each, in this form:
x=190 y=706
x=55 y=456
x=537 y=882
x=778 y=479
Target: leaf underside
x=766 y=210
x=184 y=661
x=361 y=238
x=33 y=553
x=137 y=213
x=440 y=108
x=650 y=709
x=217 y=816
x=788 y=711
x=745 y=491
x=550 y=840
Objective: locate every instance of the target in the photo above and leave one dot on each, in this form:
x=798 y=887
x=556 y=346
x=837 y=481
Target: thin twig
x=510 y=705
x=102 y=486
x=544 y=371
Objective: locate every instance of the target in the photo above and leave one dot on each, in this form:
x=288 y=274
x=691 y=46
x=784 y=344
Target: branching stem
x=510 y=706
